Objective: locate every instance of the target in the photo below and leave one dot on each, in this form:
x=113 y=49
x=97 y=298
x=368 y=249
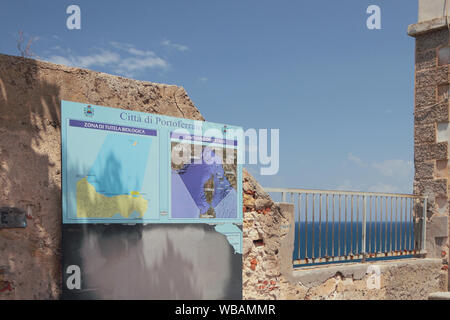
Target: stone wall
x=268 y=272
x=30 y=165
x=262 y=234
x=431 y=9
x=30 y=178
x=431 y=130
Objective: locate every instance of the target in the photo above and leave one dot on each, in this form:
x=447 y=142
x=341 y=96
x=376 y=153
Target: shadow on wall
x=30 y=178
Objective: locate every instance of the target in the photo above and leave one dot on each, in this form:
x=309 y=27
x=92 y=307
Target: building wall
x=30 y=158
x=431 y=130
x=268 y=272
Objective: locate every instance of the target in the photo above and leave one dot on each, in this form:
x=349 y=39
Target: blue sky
x=341 y=95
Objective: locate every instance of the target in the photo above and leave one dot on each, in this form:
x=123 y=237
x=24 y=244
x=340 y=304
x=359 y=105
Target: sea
x=343 y=239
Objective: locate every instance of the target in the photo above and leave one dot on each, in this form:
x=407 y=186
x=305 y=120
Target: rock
x=249 y=201
x=263 y=203
x=247 y=246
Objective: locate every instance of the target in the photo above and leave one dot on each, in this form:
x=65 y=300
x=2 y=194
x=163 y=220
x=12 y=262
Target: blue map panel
x=118 y=168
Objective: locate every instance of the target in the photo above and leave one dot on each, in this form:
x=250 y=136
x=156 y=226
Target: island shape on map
x=91 y=204
x=206 y=189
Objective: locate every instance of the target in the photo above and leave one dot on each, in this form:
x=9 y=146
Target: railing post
x=363 y=244
x=423 y=249
x=283 y=195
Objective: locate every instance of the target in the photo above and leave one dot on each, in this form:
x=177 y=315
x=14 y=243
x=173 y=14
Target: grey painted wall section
x=153 y=261
x=30 y=169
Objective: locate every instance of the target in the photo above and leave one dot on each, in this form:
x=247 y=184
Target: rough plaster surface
x=431 y=129
x=268 y=272
x=431 y=9
x=30 y=165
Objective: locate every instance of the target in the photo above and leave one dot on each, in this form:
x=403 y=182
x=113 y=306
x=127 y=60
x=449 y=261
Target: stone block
x=30 y=144
x=431 y=151
x=424 y=170
x=436 y=113
x=439 y=296
x=436 y=187
x=432 y=77
x=427 y=26
x=442 y=169
x=443 y=91
x=425 y=133
x=425 y=96
x=443 y=131
x=432 y=40
x=444 y=56
x=426 y=59
x=247 y=245
x=249 y=201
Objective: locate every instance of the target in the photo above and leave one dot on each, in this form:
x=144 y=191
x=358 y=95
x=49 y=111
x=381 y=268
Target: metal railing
x=333 y=226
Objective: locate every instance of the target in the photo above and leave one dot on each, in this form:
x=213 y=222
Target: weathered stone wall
x=30 y=165
x=268 y=272
x=431 y=130
x=30 y=178
x=262 y=234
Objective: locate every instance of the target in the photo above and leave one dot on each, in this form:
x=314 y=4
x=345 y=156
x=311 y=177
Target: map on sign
x=204 y=185
x=121 y=166
x=113 y=184
x=112 y=171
